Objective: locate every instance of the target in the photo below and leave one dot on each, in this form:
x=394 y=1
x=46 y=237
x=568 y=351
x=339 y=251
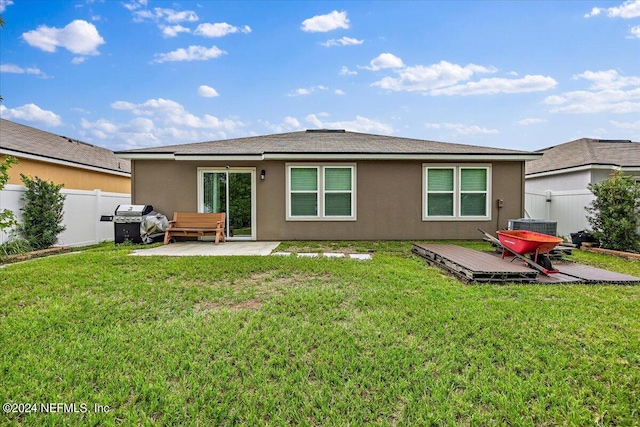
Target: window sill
x=456 y=219
x=319 y=219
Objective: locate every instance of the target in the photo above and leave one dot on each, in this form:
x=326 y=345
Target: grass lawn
x=296 y=341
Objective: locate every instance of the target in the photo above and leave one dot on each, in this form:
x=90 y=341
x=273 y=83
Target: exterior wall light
x=263 y=174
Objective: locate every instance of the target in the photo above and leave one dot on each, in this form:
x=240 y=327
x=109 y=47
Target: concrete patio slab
x=361 y=257
x=332 y=255
x=308 y=255
x=281 y=253
x=210 y=249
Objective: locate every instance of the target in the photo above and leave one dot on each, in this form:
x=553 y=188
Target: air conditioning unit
x=537 y=225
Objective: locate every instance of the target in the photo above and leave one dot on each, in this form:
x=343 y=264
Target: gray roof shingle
x=322 y=141
x=24 y=139
x=586 y=151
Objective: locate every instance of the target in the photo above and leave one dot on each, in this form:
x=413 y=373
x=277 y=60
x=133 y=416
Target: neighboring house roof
x=586 y=152
x=323 y=144
x=20 y=140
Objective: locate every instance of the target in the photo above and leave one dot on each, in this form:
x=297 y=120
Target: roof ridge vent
x=325 y=131
x=614 y=140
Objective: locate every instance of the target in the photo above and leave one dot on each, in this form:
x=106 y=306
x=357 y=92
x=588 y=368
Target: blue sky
x=138 y=73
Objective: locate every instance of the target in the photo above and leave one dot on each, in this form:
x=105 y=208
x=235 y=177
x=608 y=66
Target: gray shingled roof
x=584 y=152
x=322 y=141
x=36 y=142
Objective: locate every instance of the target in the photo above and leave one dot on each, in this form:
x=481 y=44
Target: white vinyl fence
x=82 y=211
x=567 y=208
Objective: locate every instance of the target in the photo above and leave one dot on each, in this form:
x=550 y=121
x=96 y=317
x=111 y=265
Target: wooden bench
x=189 y=224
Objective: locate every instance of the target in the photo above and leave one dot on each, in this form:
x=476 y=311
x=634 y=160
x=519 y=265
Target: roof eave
x=47 y=159
x=333 y=156
x=593 y=166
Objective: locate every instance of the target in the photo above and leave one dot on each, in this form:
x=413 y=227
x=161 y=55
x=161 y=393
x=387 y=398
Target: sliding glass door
x=231 y=191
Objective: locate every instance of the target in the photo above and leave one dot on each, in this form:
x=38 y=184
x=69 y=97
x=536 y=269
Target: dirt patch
x=265 y=284
x=261 y=287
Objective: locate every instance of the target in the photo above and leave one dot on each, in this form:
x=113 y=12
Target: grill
x=127 y=222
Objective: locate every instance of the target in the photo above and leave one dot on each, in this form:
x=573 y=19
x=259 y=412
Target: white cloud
x=173 y=30
x=530 y=121
x=173 y=16
x=171 y=112
x=423 y=79
x=135 y=4
x=628 y=9
x=289 y=124
x=207 y=91
x=344 y=41
x=4 y=4
x=31 y=113
x=192 y=53
x=324 y=23
x=445 y=78
x=492 y=86
x=461 y=129
x=79 y=37
x=78 y=60
x=360 y=124
x=339 y=92
x=164 y=14
x=609 y=79
x=584 y=102
x=15 y=69
x=345 y=71
x=626 y=125
x=594 y=12
x=122 y=105
x=608 y=93
x=219 y=29
x=159 y=122
x=384 y=60
x=307 y=91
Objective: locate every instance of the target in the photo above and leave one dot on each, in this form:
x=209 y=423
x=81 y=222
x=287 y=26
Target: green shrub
x=42 y=213
x=7 y=219
x=614 y=212
x=13 y=247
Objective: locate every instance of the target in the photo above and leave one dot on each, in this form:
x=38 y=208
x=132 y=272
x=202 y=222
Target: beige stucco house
x=94 y=180
x=62 y=160
x=335 y=185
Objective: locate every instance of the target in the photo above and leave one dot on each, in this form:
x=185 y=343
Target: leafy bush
x=7 y=219
x=42 y=213
x=614 y=212
x=13 y=247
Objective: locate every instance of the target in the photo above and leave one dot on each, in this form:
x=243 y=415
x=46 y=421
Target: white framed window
x=321 y=192
x=456 y=192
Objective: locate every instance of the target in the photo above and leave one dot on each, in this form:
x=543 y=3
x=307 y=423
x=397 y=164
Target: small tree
x=42 y=213
x=614 y=212
x=7 y=219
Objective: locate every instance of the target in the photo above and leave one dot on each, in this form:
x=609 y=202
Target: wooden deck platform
x=474 y=266
x=484 y=267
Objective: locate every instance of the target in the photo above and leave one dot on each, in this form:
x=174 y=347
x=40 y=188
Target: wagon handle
x=490 y=237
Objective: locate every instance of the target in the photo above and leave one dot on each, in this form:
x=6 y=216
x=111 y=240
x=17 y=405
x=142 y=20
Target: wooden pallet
x=474 y=266
x=483 y=267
